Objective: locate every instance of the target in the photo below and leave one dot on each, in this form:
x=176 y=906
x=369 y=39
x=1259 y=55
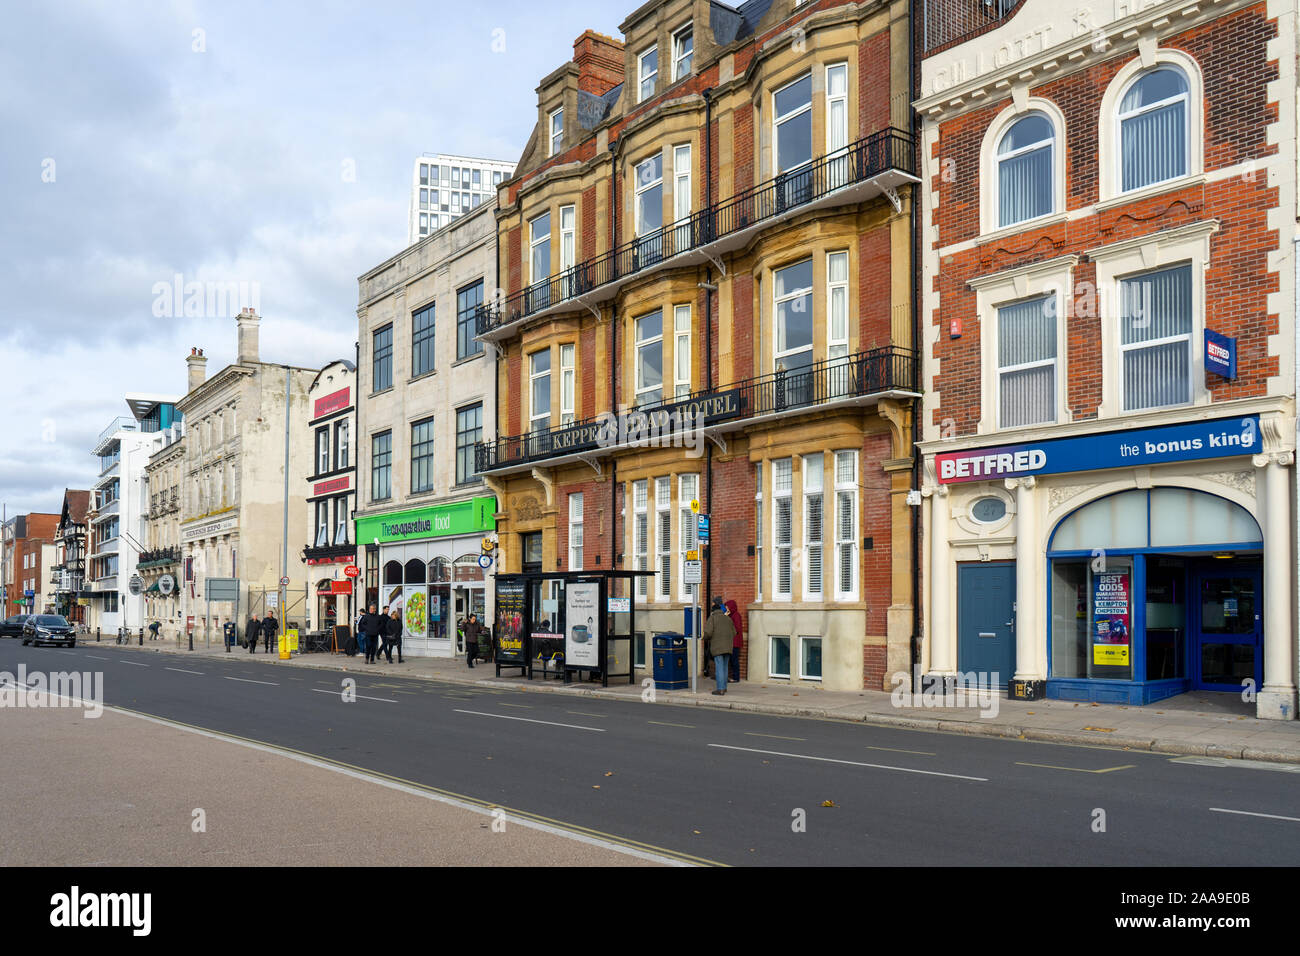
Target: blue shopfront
x=1142 y=557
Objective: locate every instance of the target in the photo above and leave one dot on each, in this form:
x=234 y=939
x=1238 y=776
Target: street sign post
x=702 y=528
x=692 y=571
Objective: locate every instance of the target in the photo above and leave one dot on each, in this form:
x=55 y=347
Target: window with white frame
x=575 y=531
x=322 y=523
x=688 y=488
x=794 y=316
x=539 y=390
x=647 y=73
x=782 y=528
x=343 y=452
x=810 y=658
x=567 y=376
x=664 y=535
x=649 y=344
x=322 y=450
x=792 y=109
x=1027 y=362
x=557 y=131
x=650 y=195
x=1153 y=128
x=814 y=512
x=1024 y=176
x=539 y=246
x=758 y=530
x=778 y=660
x=683 y=51
x=682 y=350
x=846 y=525
x=640 y=532
x=837 y=335
x=568 y=245
x=341 y=519
x=1156 y=338
x=837 y=124
x=682 y=196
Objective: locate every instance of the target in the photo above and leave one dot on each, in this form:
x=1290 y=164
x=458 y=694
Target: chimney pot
x=247 y=324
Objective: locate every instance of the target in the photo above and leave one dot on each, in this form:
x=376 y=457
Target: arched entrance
x=1153 y=592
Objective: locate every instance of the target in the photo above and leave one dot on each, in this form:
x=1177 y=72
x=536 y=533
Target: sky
x=267 y=145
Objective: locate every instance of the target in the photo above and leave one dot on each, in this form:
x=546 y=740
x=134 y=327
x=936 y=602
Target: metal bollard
x=191 y=640
x=142 y=637
x=97 y=635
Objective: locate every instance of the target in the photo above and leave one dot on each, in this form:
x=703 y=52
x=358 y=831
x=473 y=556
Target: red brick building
x=27 y=571
x=707 y=239
x=1109 y=302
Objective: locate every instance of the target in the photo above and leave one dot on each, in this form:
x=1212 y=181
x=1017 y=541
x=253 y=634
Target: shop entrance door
x=986 y=600
x=1227 y=630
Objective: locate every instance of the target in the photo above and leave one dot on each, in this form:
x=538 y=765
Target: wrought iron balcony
x=159 y=557
x=859 y=379
x=875 y=165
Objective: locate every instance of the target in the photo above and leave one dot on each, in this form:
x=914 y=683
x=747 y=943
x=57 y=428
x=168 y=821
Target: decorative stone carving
x=1057 y=495
x=1243 y=481
x=527 y=508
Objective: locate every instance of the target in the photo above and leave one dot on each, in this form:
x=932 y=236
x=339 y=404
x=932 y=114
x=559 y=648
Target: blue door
x=1227 y=628
x=986 y=641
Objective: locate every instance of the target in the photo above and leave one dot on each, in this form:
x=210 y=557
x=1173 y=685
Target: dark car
x=13 y=626
x=49 y=629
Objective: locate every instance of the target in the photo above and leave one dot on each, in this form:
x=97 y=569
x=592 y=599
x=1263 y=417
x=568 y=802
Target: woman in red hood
x=733 y=612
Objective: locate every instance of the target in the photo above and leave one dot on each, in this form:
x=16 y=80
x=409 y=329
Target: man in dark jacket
x=719 y=634
x=472 y=630
x=251 y=633
x=393 y=637
x=372 y=625
x=269 y=628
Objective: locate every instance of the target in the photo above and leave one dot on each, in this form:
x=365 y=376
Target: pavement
x=1198 y=724
x=165 y=796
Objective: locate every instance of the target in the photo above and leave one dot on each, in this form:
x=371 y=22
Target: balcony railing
x=123 y=423
x=789 y=391
x=949 y=21
x=159 y=557
x=887 y=150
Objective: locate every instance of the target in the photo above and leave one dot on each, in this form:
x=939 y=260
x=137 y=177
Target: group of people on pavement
x=379 y=633
x=266 y=629
x=722 y=638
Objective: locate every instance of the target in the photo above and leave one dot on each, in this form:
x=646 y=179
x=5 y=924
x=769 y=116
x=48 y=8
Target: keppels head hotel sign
x=1140 y=446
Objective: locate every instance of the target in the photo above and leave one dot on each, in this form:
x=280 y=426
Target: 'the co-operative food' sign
x=1188 y=441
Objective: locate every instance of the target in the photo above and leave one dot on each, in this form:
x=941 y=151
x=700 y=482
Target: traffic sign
x=692 y=555
x=702 y=527
x=284 y=582
x=695 y=505
x=352 y=571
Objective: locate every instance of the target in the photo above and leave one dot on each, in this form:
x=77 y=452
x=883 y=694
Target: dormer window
x=683 y=51
x=648 y=73
x=557 y=131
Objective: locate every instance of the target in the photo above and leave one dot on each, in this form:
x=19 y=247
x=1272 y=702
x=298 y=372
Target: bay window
x=782 y=527
x=640 y=533
x=539 y=261
x=649 y=188
x=664 y=535
x=846 y=525
x=566 y=384
x=682 y=350
x=814 y=510
x=649 y=344
x=682 y=197
x=837 y=124
x=794 y=330
x=539 y=390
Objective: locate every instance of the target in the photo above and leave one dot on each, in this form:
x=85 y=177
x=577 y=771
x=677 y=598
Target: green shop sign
x=463 y=517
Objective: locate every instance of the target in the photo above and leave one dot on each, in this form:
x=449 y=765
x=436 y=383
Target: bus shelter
x=567 y=624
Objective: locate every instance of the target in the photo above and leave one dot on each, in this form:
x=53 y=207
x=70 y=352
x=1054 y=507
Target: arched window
x=393 y=572
x=1153 y=128
x=415 y=571
x=1024 y=161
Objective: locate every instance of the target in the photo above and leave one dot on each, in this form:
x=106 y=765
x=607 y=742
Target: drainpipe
x=709 y=326
x=614 y=200
x=917 y=286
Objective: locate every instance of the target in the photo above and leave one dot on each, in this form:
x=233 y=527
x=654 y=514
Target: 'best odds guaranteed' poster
x=1111 y=619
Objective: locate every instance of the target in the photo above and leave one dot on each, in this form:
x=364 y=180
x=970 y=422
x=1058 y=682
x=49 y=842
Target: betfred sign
x=1188 y=441
x=1220 y=354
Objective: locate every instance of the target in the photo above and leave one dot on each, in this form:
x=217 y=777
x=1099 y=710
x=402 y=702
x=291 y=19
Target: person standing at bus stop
x=269 y=628
x=719 y=633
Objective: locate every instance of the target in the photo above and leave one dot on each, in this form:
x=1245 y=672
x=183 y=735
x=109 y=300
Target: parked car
x=49 y=629
x=13 y=626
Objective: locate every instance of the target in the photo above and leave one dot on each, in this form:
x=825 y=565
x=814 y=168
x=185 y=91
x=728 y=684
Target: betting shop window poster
x=1112 y=619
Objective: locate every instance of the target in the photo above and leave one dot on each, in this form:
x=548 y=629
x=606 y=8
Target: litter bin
x=670 y=662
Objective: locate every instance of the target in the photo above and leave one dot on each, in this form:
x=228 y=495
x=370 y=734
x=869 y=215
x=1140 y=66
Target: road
x=708 y=786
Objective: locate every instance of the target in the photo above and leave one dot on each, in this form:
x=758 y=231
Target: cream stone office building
x=425 y=397
x=233 y=483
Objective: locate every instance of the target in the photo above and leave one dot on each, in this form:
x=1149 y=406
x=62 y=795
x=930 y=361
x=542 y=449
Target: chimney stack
x=248 y=350
x=198 y=364
x=600 y=62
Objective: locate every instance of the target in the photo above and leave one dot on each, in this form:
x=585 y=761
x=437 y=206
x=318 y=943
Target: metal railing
x=948 y=21
x=786 y=391
x=887 y=149
x=123 y=423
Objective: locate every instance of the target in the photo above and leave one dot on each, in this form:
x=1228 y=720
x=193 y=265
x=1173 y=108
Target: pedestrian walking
x=372 y=626
x=393 y=637
x=733 y=612
x=251 y=633
x=719 y=633
x=472 y=630
x=270 y=626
